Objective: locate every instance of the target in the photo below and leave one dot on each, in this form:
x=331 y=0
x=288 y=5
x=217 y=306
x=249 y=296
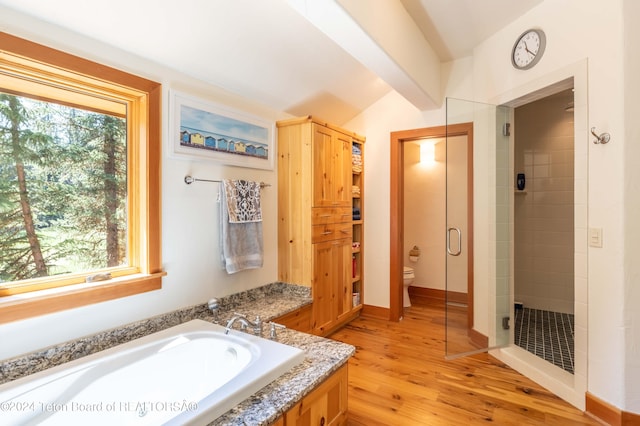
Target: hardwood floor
x=399 y=376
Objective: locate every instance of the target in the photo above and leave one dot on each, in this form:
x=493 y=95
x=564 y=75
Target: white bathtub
x=188 y=374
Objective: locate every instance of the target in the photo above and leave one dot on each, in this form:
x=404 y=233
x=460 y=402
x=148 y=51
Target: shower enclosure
x=523 y=232
x=544 y=229
x=484 y=322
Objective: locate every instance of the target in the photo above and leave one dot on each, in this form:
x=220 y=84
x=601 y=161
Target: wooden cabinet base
x=299 y=320
x=341 y=322
x=325 y=406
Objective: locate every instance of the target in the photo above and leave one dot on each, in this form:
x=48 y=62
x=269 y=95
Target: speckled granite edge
x=257 y=301
x=323 y=358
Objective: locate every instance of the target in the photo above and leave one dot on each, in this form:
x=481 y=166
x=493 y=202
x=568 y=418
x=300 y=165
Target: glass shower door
x=478 y=226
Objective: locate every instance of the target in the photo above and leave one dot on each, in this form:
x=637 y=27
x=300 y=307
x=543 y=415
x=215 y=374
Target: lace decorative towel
x=243 y=201
x=241 y=244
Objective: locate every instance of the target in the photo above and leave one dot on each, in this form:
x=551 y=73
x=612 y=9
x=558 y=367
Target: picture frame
x=205 y=131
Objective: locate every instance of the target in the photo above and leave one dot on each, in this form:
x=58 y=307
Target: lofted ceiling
x=330 y=58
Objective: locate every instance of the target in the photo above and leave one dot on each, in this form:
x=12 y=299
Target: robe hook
x=602 y=138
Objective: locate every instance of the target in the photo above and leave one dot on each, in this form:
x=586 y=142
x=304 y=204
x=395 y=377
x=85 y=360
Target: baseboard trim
x=423 y=295
x=630 y=419
x=376 y=312
x=609 y=414
x=478 y=339
x=432 y=294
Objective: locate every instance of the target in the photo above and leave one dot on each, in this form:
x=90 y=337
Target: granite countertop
x=323 y=356
x=268 y=302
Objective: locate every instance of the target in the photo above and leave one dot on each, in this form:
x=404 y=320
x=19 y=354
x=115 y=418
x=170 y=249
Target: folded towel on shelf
x=240 y=226
x=356 y=213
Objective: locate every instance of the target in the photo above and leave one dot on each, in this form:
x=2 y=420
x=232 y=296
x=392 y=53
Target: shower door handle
x=451 y=252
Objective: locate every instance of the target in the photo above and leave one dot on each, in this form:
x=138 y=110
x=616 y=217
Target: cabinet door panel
x=342 y=170
x=331 y=158
x=322 y=166
x=326 y=405
x=324 y=306
x=332 y=283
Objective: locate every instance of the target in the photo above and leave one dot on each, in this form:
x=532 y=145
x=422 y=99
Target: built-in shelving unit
x=357 y=166
x=321 y=217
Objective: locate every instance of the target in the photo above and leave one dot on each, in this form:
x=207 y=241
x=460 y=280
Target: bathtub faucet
x=256 y=326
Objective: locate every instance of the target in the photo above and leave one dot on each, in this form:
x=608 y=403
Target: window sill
x=27 y=305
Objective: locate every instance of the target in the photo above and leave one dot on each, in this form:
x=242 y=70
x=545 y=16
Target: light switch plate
x=595 y=237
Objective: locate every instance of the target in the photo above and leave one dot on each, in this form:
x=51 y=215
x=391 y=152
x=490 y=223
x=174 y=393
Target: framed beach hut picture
x=201 y=130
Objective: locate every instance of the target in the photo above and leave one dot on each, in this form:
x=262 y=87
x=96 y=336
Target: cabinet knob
x=322 y=421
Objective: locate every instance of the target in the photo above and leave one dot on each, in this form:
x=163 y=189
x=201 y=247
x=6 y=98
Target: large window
x=79 y=181
x=63 y=176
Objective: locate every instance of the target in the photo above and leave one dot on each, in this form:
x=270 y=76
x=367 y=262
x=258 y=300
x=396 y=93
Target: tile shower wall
x=544 y=210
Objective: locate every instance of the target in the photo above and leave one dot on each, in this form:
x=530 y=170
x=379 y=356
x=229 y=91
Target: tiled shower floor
x=546 y=334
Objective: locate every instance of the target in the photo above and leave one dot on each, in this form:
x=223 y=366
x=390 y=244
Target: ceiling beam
x=383 y=38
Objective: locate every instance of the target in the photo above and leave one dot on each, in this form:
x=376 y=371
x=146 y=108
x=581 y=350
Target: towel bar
x=190 y=179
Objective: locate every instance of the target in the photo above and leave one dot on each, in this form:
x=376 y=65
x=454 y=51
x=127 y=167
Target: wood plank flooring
x=399 y=376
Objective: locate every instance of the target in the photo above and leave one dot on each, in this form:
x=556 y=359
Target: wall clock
x=528 y=49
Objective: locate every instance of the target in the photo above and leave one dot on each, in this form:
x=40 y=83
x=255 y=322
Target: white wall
x=424 y=215
x=576 y=30
x=189 y=212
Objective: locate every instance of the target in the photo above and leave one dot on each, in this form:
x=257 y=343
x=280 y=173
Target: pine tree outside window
x=79 y=181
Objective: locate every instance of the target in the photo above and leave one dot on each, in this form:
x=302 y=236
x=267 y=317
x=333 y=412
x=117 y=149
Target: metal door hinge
x=505 y=323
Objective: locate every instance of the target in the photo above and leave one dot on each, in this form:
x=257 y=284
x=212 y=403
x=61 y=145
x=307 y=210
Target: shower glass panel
x=478 y=226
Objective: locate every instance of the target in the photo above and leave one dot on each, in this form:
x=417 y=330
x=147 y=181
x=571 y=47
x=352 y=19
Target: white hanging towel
x=240 y=225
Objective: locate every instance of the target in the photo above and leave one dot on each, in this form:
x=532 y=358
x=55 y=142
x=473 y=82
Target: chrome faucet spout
x=256 y=326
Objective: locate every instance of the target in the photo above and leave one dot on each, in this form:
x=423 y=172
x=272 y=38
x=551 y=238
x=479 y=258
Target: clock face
x=528 y=49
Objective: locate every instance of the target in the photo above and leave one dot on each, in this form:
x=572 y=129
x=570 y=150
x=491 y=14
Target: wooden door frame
x=397 y=210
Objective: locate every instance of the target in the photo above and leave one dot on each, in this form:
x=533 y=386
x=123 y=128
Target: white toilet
x=407 y=279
